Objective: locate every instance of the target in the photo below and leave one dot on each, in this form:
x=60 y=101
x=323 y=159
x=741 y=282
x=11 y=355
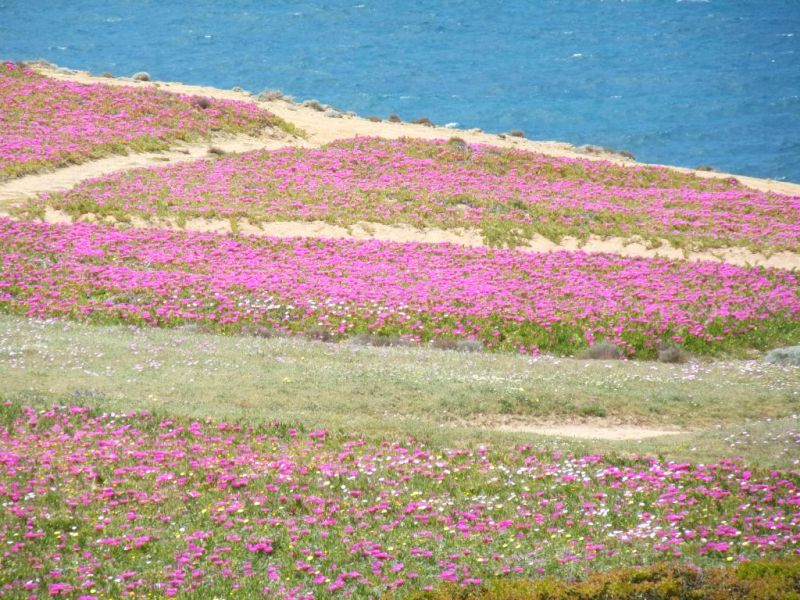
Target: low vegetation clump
x=758 y=580
x=560 y=302
x=46 y=123
x=509 y=195
x=98 y=505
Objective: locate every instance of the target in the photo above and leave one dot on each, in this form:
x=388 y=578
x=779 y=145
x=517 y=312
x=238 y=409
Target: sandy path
x=463 y=237
x=66 y=178
x=590 y=432
x=592 y=429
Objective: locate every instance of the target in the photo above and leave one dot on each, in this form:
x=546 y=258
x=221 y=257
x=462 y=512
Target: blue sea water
x=683 y=82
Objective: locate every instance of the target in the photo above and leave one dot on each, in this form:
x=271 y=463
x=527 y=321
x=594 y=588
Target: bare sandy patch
x=599 y=429
x=590 y=432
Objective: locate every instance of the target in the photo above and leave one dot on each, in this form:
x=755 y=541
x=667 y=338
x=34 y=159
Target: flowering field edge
x=100 y=504
x=763 y=579
x=398 y=390
x=445 y=294
x=47 y=123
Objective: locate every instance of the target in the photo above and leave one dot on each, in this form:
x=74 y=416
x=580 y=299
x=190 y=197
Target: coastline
x=323 y=129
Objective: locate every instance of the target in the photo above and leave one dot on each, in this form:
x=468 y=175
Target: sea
x=682 y=82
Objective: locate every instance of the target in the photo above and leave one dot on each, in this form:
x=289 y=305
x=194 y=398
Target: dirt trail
x=68 y=177
x=322 y=129
x=592 y=429
x=590 y=432
x=463 y=237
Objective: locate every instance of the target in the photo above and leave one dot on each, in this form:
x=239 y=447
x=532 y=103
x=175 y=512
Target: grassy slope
x=445 y=397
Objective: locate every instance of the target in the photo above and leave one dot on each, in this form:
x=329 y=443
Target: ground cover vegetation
x=556 y=302
x=758 y=580
x=98 y=505
x=46 y=123
x=509 y=195
x=445 y=398
x=144 y=456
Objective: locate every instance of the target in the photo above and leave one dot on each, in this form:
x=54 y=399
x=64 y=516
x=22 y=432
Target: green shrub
x=759 y=580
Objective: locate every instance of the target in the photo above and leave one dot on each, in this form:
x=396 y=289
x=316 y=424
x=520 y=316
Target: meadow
x=133 y=467
x=47 y=123
x=448 y=398
x=508 y=195
x=132 y=503
x=498 y=299
x=199 y=415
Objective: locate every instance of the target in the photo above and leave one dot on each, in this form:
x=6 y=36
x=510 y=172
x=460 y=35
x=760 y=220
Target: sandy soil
x=592 y=429
x=66 y=178
x=590 y=432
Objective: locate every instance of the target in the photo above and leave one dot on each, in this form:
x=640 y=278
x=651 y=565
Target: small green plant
x=593 y=410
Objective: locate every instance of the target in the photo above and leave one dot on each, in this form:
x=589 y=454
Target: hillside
x=254 y=346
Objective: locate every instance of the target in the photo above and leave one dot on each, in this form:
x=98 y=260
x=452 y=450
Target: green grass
x=445 y=397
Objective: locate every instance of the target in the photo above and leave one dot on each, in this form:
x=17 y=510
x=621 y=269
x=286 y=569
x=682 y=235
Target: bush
x=444 y=343
x=469 y=346
x=759 y=580
x=381 y=341
x=394 y=119
x=423 y=121
x=263 y=331
x=604 y=351
x=517 y=133
x=670 y=353
x=784 y=356
x=141 y=76
x=202 y=102
x=319 y=333
x=315 y=104
x=270 y=95
x=457 y=143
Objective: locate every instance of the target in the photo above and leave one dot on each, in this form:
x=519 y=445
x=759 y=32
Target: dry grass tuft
x=604 y=350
